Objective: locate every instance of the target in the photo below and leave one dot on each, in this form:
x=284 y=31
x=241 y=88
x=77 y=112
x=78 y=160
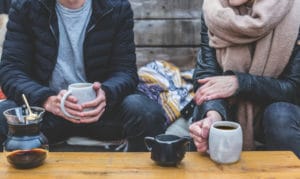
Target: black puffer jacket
x=4 y=6
x=264 y=90
x=31 y=47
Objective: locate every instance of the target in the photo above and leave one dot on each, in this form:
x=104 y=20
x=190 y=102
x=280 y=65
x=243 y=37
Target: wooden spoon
x=31 y=115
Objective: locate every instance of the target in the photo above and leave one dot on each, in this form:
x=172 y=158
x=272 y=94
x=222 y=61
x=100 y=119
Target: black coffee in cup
x=225 y=127
x=27 y=158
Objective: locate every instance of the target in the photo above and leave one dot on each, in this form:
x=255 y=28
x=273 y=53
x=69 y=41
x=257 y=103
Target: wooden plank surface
x=166 y=9
x=185 y=58
x=139 y=165
x=167 y=32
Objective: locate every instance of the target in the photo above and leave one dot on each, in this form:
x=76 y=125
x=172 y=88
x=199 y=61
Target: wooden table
x=139 y=165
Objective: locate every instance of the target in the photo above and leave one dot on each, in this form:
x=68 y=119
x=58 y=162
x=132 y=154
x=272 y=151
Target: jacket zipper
x=92 y=27
x=50 y=26
x=52 y=32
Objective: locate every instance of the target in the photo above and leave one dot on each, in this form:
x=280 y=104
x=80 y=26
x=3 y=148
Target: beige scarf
x=258 y=40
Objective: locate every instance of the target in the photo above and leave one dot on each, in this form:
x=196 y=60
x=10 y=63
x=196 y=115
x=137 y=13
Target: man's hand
x=215 y=88
x=199 y=131
x=52 y=105
x=98 y=104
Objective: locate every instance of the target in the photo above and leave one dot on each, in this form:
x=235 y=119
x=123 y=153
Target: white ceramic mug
x=84 y=92
x=225 y=142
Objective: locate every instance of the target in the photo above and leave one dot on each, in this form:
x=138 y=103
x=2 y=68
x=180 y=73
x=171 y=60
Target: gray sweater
x=72 y=24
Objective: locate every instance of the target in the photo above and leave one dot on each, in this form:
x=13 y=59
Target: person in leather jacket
x=224 y=81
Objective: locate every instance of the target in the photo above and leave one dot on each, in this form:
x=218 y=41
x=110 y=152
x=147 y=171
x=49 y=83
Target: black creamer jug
x=25 y=146
x=167 y=150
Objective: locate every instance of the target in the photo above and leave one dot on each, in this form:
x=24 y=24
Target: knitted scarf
x=256 y=39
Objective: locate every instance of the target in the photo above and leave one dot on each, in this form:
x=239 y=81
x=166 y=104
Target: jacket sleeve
x=16 y=68
x=286 y=88
x=123 y=77
x=207 y=66
x=4 y=6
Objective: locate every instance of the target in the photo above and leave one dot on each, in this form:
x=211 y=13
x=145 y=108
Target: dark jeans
x=136 y=117
x=281 y=125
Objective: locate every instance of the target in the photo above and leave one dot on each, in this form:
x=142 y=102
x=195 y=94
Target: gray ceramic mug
x=225 y=142
x=84 y=92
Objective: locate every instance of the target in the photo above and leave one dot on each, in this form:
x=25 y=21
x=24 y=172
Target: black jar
x=25 y=146
x=167 y=150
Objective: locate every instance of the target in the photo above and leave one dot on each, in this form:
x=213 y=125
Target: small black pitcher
x=25 y=146
x=167 y=150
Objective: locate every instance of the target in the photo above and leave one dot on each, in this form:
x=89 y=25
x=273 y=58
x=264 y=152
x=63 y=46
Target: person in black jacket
x=51 y=44
x=4 y=6
x=248 y=70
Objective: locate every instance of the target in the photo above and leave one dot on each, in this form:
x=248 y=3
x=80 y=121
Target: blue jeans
x=134 y=118
x=281 y=123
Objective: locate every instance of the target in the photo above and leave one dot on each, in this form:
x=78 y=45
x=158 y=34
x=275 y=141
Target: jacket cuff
x=243 y=80
x=42 y=98
x=218 y=105
x=108 y=96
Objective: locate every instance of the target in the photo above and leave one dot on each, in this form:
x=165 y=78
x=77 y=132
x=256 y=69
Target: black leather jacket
x=264 y=90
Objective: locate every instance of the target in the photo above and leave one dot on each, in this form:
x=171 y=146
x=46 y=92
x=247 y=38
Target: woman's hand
x=215 y=88
x=199 y=131
x=52 y=105
x=98 y=106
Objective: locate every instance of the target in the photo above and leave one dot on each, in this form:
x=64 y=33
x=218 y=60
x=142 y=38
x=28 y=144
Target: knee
x=4 y=105
x=133 y=104
x=280 y=115
x=143 y=114
x=281 y=123
x=142 y=107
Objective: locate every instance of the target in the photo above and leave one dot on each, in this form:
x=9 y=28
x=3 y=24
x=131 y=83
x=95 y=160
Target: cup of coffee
x=84 y=92
x=167 y=150
x=225 y=142
x=27 y=158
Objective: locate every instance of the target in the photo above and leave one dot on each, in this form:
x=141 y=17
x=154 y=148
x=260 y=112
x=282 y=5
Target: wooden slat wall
x=166 y=9
x=159 y=33
x=167 y=30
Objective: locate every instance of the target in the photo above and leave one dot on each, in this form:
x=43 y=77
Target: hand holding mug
x=52 y=104
x=83 y=93
x=221 y=139
x=199 y=131
x=96 y=107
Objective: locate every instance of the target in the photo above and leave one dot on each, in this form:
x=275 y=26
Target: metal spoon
x=31 y=115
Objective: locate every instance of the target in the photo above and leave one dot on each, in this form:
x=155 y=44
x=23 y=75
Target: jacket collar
x=99 y=6
x=49 y=4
